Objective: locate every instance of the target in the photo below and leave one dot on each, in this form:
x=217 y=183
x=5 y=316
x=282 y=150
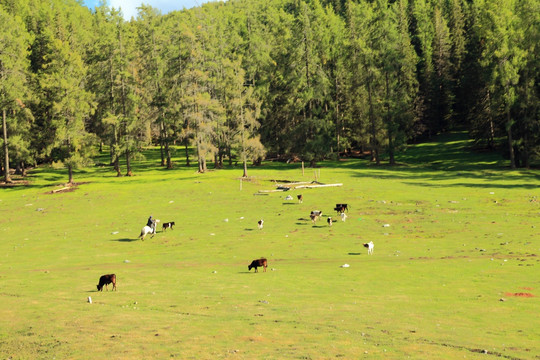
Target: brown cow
x=258 y=263
x=106 y=280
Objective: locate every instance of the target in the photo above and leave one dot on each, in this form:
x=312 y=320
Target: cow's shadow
x=125 y=240
x=355 y=253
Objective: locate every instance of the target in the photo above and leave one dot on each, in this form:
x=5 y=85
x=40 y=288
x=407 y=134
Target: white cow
x=369 y=247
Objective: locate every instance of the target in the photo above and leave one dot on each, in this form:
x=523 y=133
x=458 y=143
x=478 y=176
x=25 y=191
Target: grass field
x=455 y=271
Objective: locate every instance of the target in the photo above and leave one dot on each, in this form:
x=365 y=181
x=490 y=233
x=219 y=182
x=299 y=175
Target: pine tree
x=441 y=94
x=152 y=62
x=13 y=77
x=63 y=78
x=456 y=14
x=503 y=58
x=423 y=35
x=527 y=108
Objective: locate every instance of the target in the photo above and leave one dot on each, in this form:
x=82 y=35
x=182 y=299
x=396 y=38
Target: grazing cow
x=315 y=215
x=343 y=216
x=168 y=225
x=341 y=208
x=300 y=198
x=329 y=221
x=260 y=224
x=106 y=280
x=258 y=263
x=369 y=246
x=288 y=197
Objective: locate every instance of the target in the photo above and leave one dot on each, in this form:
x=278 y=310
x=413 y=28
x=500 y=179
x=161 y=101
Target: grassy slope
x=462 y=235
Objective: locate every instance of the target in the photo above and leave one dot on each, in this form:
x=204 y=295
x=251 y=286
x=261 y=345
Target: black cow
x=340 y=208
x=106 y=280
x=258 y=263
x=168 y=225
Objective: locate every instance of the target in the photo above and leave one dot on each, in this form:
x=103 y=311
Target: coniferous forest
x=246 y=80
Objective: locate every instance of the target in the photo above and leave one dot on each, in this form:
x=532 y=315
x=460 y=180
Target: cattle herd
x=315 y=215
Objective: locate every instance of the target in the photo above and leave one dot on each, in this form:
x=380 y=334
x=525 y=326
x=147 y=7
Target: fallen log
x=62 y=189
x=317 y=186
x=304 y=185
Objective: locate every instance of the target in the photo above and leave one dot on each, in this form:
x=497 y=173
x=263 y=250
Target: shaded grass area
x=450 y=244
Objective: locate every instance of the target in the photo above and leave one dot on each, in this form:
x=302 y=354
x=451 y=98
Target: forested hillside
x=246 y=80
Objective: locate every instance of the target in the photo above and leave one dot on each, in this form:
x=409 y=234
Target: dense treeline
x=280 y=78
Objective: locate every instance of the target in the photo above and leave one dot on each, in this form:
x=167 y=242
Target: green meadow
x=455 y=271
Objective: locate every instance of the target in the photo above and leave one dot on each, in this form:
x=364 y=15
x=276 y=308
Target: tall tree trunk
x=337 y=119
x=188 y=163
x=374 y=147
x=526 y=154
x=389 y=124
x=70 y=172
x=244 y=156
x=200 y=159
x=7 y=178
x=128 y=163
x=115 y=154
x=510 y=140
x=161 y=144
x=168 y=154
x=491 y=140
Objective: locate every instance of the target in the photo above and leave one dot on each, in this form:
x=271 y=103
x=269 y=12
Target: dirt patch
x=520 y=294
